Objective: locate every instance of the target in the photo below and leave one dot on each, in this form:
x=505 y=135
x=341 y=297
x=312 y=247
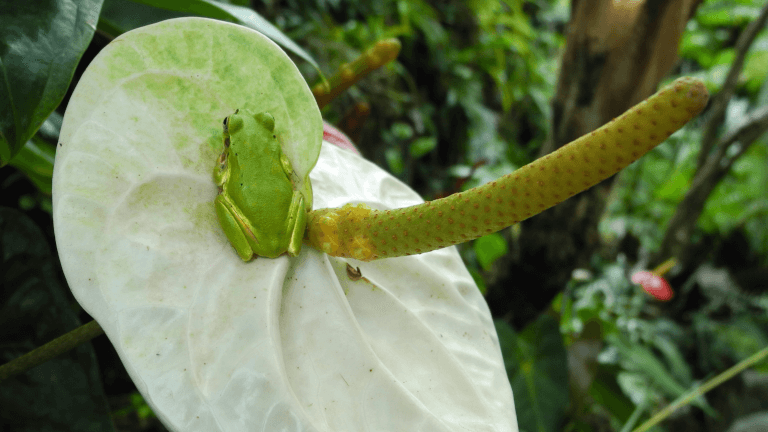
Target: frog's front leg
x=234 y=228
x=297 y=223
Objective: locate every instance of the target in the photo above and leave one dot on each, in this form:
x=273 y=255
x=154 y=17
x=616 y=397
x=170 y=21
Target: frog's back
x=263 y=190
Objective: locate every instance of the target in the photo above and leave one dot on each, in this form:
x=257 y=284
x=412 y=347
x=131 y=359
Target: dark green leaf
x=751 y=423
x=674 y=358
x=394 y=160
x=238 y=14
x=120 y=16
x=538 y=371
x=36 y=161
x=421 y=146
x=478 y=278
x=607 y=392
x=64 y=394
x=640 y=359
x=402 y=131
x=40 y=46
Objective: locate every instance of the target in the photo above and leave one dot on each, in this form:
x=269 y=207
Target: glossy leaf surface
x=40 y=45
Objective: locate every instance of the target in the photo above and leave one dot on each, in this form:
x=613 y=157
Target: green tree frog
x=259 y=206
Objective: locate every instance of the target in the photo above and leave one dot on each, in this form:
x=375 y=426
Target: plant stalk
x=51 y=350
x=357 y=231
x=709 y=385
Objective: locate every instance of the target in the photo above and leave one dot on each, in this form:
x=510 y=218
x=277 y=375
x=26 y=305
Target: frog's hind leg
x=297 y=223
x=232 y=229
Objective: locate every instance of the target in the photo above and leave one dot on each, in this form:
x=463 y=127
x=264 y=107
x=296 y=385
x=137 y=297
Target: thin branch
x=709 y=385
x=51 y=350
x=681 y=226
x=747 y=133
x=348 y=74
x=720 y=101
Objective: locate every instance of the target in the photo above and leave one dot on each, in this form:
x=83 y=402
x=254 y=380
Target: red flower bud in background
x=653 y=281
x=654 y=285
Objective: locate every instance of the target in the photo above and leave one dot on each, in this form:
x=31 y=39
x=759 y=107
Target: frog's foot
x=233 y=229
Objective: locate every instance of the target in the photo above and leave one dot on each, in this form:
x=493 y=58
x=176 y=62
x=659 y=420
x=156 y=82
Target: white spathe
x=215 y=344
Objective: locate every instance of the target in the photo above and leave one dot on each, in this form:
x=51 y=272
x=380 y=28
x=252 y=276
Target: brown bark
x=616 y=54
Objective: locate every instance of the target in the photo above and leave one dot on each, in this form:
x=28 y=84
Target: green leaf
x=394 y=160
x=40 y=45
x=756 y=69
x=478 y=278
x=402 y=131
x=743 y=336
x=638 y=358
x=643 y=362
x=421 y=146
x=143 y=410
x=489 y=248
x=64 y=393
x=721 y=14
x=35 y=159
x=751 y=422
x=607 y=393
x=120 y=16
x=537 y=368
x=675 y=186
x=674 y=358
x=237 y=14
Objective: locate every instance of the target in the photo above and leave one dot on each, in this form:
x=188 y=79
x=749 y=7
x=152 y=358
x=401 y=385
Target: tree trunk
x=616 y=54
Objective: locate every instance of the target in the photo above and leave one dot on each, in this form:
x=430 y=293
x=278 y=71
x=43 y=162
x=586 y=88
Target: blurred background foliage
x=471 y=84
x=467 y=100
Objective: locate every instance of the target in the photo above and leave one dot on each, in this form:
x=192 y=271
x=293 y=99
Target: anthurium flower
x=654 y=284
x=312 y=343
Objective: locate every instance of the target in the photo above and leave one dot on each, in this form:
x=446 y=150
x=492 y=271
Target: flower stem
x=359 y=232
x=707 y=386
x=51 y=350
x=381 y=53
x=665 y=267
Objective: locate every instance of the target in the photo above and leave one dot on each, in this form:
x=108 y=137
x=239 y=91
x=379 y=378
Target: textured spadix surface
x=215 y=344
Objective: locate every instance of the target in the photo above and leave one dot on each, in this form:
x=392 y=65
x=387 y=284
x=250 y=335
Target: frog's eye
x=266 y=119
x=226 y=131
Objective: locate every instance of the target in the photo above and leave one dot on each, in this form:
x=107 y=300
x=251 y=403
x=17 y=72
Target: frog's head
x=266 y=120
x=235 y=123
x=247 y=137
x=232 y=124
